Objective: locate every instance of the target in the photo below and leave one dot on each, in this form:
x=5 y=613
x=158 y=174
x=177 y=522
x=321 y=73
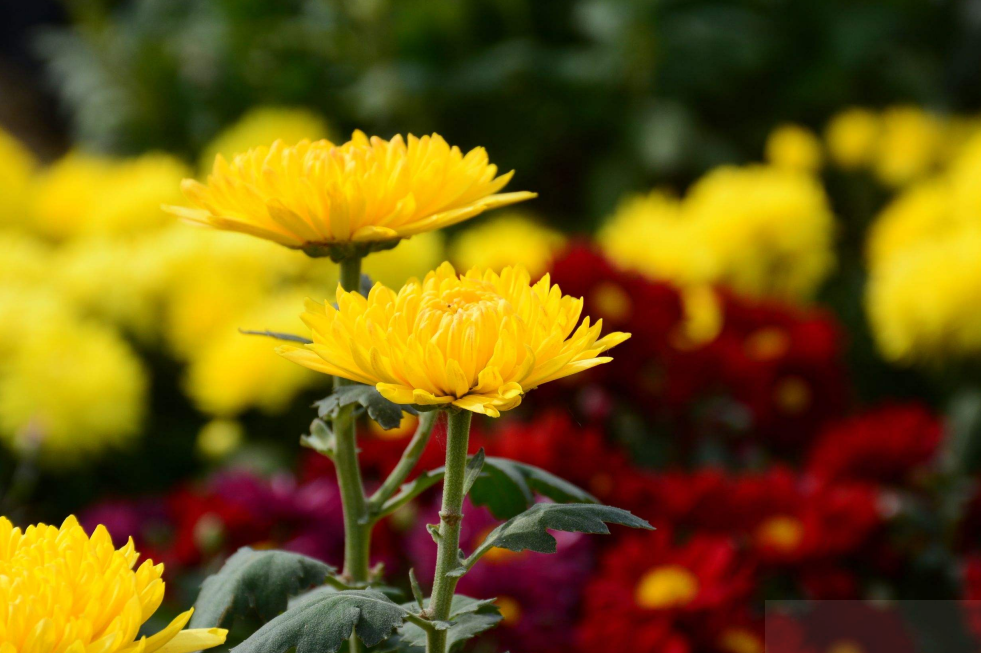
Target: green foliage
x=529 y=530
x=259 y=582
x=508 y=487
x=323 y=620
x=387 y=414
x=468 y=618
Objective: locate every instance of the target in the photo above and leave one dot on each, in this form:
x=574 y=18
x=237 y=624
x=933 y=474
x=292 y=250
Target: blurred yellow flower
x=510 y=239
x=233 y=371
x=794 y=147
x=24 y=260
x=262 y=126
x=761 y=230
x=17 y=167
x=922 y=302
x=477 y=341
x=909 y=146
x=64 y=592
x=361 y=196
x=964 y=175
x=852 y=137
x=650 y=235
x=85 y=194
x=769 y=231
x=69 y=388
x=220 y=437
x=921 y=213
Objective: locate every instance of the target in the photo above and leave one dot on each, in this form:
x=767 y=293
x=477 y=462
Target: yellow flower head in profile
x=477 y=341
x=794 y=147
x=335 y=200
x=64 y=592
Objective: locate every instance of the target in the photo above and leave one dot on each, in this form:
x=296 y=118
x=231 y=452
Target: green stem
x=357 y=529
x=410 y=457
x=450 y=520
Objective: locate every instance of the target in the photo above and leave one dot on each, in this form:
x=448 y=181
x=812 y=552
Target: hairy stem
x=410 y=457
x=357 y=529
x=450 y=519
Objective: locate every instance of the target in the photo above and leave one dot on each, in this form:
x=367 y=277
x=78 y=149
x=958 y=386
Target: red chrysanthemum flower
x=857 y=626
x=650 y=595
x=738 y=631
x=882 y=445
x=783 y=365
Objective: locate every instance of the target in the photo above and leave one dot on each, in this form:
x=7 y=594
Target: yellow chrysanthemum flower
x=84 y=194
x=921 y=213
x=344 y=200
x=64 y=592
x=69 y=388
x=477 y=341
x=233 y=372
x=852 y=137
x=261 y=126
x=648 y=234
x=794 y=147
x=922 y=303
x=17 y=166
x=909 y=146
x=512 y=239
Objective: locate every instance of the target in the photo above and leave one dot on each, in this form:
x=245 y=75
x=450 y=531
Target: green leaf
x=474 y=465
x=321 y=439
x=508 y=487
x=529 y=530
x=322 y=620
x=255 y=581
x=277 y=335
x=416 y=588
x=383 y=411
x=468 y=618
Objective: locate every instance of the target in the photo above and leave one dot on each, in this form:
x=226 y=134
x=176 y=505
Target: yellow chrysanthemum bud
x=922 y=302
x=477 y=341
x=794 y=147
x=346 y=200
x=63 y=591
x=219 y=438
x=262 y=126
x=852 y=136
x=512 y=239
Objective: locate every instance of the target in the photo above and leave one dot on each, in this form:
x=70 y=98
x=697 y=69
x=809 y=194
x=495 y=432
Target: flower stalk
x=408 y=462
x=450 y=521
x=357 y=528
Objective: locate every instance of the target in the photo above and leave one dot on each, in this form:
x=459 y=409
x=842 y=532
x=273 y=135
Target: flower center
x=611 y=301
x=793 y=395
x=782 y=533
x=510 y=610
x=767 y=344
x=737 y=640
x=845 y=646
x=671 y=586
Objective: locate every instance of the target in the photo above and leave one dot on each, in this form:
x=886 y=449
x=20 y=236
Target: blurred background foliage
x=587 y=99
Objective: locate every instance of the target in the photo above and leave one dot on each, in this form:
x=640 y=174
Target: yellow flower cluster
x=924 y=256
x=762 y=230
x=477 y=341
x=90 y=262
x=64 y=592
x=899 y=145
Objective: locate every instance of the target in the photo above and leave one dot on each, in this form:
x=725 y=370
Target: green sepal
x=338 y=252
x=289 y=337
x=321 y=439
